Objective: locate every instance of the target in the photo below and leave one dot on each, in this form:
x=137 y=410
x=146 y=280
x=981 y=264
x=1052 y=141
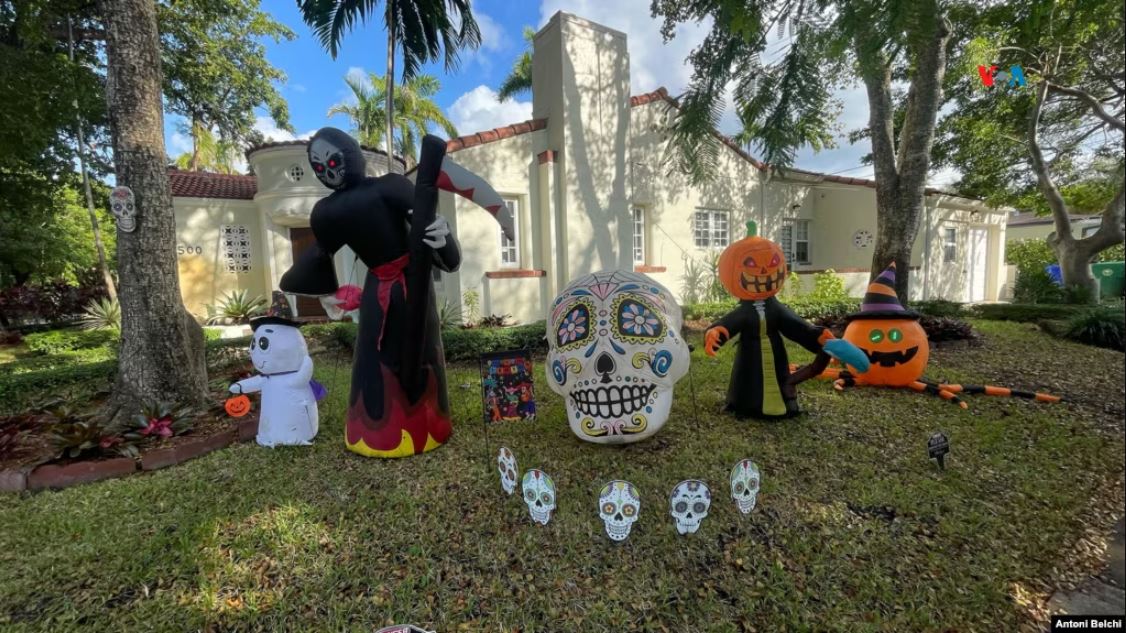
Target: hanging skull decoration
x=619 y=506
x=744 y=485
x=689 y=504
x=539 y=494
x=506 y=465
x=123 y=205
x=615 y=354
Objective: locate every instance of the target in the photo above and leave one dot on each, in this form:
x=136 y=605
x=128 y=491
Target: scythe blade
x=459 y=180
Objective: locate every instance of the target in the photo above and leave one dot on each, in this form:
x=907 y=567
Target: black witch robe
x=760 y=378
x=371 y=217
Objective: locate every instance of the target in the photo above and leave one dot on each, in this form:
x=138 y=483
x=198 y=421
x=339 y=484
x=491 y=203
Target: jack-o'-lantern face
x=753 y=268
x=237 y=406
x=897 y=348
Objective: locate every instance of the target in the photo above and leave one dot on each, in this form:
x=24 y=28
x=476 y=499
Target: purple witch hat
x=881 y=302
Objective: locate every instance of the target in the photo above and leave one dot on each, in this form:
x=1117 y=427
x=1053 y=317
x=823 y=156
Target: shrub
x=449 y=315
x=10 y=337
x=707 y=311
x=58 y=341
x=939 y=308
x=212 y=334
x=828 y=287
x=494 y=320
x=469 y=344
x=472 y=303
x=158 y=419
x=1028 y=313
x=73 y=435
x=813 y=309
x=941 y=328
x=18 y=391
x=1036 y=286
x=1101 y=327
x=49 y=302
x=1030 y=254
x=101 y=314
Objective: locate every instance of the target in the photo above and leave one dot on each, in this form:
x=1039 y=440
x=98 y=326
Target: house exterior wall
x=201 y=260
x=1041 y=231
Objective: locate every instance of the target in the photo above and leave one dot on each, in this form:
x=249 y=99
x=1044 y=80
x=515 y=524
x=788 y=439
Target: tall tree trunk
x=389 y=106
x=162 y=354
x=901 y=172
x=111 y=289
x=193 y=164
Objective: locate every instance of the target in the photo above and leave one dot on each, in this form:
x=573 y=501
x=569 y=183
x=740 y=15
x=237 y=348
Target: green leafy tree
x=519 y=79
x=788 y=103
x=215 y=69
x=426 y=29
x=209 y=153
x=415 y=111
x=1054 y=145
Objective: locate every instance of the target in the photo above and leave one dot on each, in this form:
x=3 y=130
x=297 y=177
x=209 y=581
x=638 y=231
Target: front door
x=301 y=240
x=977 y=264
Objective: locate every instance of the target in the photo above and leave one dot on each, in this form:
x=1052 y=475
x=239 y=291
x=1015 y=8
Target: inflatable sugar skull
x=619 y=505
x=615 y=354
x=689 y=504
x=744 y=485
x=506 y=466
x=539 y=494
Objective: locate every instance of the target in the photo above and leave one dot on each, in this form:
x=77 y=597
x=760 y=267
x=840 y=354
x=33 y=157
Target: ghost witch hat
x=278 y=314
x=881 y=302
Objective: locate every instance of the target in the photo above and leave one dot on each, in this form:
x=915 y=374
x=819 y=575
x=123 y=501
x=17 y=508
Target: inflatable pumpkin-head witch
x=889 y=335
x=753 y=268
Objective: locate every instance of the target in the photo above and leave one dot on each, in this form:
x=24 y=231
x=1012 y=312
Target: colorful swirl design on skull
x=636 y=424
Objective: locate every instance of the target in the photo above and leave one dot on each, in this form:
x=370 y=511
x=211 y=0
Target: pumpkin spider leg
x=925 y=386
x=844 y=380
x=1005 y=392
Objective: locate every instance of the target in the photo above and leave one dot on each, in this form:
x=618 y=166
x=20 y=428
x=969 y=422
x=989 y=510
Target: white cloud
x=356 y=73
x=479 y=109
x=180 y=143
x=653 y=63
x=493 y=36
x=272 y=132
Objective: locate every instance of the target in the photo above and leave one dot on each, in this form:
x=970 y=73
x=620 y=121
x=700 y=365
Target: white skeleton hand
x=331 y=305
x=436 y=233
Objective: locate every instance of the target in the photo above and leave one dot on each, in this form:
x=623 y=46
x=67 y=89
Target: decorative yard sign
x=937 y=447
x=689 y=504
x=745 y=481
x=506 y=386
x=539 y=495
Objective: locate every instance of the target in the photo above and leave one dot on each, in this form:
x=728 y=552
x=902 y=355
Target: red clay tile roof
x=304 y=142
x=198 y=184
x=495 y=134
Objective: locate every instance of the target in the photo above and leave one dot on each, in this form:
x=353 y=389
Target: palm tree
x=520 y=79
x=415 y=112
x=209 y=153
x=427 y=30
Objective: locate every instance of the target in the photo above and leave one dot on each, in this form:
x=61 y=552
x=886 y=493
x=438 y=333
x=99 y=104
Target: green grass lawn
x=855 y=529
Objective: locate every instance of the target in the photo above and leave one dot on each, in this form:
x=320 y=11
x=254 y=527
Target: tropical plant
x=159 y=419
x=1101 y=326
x=472 y=302
x=427 y=30
x=785 y=104
x=519 y=79
x=237 y=306
x=72 y=434
x=415 y=111
x=209 y=153
x=827 y=287
x=494 y=320
x=101 y=314
x=692 y=280
x=449 y=315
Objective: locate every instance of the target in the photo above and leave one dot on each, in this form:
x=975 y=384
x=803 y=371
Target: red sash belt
x=388 y=275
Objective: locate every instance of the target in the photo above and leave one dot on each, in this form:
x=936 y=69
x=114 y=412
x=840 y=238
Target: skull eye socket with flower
x=619 y=506
x=615 y=355
x=539 y=495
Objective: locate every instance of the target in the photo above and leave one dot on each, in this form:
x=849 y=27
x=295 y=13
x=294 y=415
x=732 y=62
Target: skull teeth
x=612 y=402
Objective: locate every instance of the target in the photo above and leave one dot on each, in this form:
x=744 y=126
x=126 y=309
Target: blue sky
x=315 y=81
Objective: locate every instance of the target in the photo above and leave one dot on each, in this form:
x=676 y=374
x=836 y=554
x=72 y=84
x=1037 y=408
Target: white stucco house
x=589 y=187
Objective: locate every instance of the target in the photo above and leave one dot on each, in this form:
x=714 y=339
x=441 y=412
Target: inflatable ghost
x=615 y=354
x=285 y=371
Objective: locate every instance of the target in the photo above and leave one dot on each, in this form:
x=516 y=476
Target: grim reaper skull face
x=745 y=482
x=336 y=158
x=616 y=352
x=689 y=504
x=123 y=205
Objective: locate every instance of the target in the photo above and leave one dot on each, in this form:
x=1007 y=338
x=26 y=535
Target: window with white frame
x=710 y=228
x=235 y=239
x=639 y=235
x=795 y=242
x=510 y=248
x=949 y=245
x=1088 y=231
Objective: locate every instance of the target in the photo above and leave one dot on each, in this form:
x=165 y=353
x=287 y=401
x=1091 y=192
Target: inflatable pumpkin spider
x=898 y=349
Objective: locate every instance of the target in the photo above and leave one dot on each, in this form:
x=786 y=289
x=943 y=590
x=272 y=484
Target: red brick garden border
x=58 y=476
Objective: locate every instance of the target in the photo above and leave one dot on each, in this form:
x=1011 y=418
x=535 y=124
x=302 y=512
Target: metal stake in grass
x=937 y=447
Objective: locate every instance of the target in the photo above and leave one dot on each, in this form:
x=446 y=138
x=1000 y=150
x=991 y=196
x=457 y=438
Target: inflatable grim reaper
x=398 y=404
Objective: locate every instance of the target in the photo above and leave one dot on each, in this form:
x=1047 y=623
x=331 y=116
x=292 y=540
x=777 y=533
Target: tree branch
x=1047 y=186
x=1110 y=228
x=1095 y=105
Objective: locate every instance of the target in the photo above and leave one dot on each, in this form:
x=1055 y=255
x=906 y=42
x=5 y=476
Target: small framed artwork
x=507 y=392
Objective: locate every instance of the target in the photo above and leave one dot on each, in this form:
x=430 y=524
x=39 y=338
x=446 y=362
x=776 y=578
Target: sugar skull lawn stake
x=753 y=270
x=539 y=495
x=745 y=483
x=289 y=413
x=619 y=506
x=897 y=346
x=615 y=354
x=398 y=404
x=506 y=466
x=689 y=504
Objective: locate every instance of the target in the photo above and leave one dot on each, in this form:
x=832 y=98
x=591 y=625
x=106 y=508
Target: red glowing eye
x=774 y=260
x=332 y=163
x=319 y=167
x=749 y=262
